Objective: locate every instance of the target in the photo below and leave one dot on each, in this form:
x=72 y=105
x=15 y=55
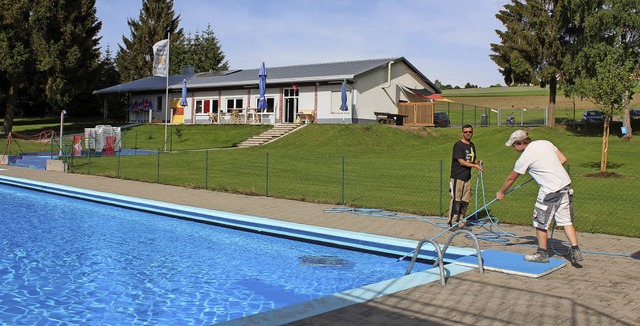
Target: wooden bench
x=390 y=118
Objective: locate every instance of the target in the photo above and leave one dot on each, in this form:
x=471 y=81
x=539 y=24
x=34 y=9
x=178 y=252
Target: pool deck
x=604 y=290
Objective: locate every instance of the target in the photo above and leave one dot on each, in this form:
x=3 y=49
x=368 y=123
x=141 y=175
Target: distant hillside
x=520 y=97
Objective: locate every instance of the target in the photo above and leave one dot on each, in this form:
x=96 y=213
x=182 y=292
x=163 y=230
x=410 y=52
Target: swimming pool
x=83 y=262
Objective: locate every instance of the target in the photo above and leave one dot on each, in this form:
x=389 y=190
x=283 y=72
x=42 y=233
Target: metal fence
x=416 y=187
x=480 y=116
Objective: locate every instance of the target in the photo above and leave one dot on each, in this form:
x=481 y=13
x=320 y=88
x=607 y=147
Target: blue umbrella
x=262 y=82
x=183 y=101
x=343 y=106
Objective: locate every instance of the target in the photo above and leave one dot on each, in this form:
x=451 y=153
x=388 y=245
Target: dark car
x=592 y=116
x=634 y=114
x=441 y=119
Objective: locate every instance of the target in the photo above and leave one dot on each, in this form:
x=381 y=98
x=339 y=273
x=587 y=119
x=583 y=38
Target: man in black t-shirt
x=463 y=159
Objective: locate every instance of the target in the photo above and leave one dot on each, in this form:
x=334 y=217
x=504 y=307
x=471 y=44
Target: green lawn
x=505 y=91
x=379 y=166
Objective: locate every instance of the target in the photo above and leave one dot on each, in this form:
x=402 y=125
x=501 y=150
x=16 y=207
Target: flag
x=160 y=58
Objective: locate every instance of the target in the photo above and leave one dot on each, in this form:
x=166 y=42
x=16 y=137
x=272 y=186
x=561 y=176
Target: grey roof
x=319 y=72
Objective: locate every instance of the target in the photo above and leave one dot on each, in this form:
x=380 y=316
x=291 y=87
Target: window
x=159 y=102
x=270 y=104
x=206 y=106
x=234 y=103
x=291 y=92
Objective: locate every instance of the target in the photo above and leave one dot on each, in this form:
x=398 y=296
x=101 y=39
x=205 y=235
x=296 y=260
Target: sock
x=575 y=247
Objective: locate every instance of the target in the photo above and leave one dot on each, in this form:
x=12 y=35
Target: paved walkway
x=605 y=290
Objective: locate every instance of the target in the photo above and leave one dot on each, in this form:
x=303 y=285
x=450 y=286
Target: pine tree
x=65 y=47
x=532 y=47
x=156 y=19
x=205 y=54
x=16 y=64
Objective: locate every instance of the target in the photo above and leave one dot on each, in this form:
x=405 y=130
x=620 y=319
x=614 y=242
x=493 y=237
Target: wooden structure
x=418 y=114
x=390 y=118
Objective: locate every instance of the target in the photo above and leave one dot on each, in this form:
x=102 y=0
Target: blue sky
x=448 y=40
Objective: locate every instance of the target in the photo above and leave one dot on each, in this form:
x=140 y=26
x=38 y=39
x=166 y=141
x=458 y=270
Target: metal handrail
x=475 y=239
x=417 y=251
x=440 y=260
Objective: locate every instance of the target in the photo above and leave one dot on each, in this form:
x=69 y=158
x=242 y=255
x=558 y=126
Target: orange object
x=77 y=145
x=110 y=142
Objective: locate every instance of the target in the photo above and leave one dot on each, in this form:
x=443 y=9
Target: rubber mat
x=511 y=263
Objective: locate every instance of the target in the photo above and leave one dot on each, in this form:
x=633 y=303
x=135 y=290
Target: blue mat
x=511 y=263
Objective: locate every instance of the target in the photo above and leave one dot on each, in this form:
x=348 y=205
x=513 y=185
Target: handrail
x=415 y=257
x=475 y=239
x=440 y=260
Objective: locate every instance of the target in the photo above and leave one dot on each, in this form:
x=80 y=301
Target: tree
x=532 y=48
x=15 y=59
x=156 y=19
x=65 y=47
x=204 y=52
x=47 y=51
x=604 y=60
x=108 y=76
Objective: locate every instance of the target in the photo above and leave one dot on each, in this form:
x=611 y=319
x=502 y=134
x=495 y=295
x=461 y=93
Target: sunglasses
x=467 y=132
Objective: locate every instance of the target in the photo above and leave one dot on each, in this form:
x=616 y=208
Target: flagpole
x=166 y=112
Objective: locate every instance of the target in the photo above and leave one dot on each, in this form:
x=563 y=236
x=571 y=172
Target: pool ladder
x=440 y=260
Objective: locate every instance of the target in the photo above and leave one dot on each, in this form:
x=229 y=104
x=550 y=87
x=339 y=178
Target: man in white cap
x=544 y=162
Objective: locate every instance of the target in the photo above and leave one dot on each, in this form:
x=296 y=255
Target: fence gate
x=419 y=114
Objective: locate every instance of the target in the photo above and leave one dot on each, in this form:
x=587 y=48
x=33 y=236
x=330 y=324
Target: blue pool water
x=65 y=260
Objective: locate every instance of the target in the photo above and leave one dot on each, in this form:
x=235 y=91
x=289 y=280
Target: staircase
x=279 y=130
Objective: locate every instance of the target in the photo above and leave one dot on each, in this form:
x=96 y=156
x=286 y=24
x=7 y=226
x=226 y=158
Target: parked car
x=634 y=114
x=441 y=119
x=592 y=116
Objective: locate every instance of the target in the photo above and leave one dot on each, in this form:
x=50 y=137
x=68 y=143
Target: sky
x=447 y=40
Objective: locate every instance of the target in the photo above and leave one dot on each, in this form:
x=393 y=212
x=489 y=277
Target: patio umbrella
x=437 y=97
x=343 y=106
x=262 y=83
x=183 y=101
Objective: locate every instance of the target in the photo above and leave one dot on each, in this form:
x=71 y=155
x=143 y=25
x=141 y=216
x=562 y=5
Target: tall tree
x=65 y=46
x=156 y=19
x=16 y=63
x=531 y=48
x=604 y=61
x=205 y=53
x=48 y=49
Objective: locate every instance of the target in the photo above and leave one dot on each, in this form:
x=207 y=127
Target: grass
x=400 y=169
x=151 y=136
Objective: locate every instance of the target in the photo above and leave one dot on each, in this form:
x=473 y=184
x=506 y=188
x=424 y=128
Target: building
x=299 y=93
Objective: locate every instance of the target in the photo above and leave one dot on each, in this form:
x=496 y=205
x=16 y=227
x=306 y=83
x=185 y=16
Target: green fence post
x=52 y=140
x=441 y=193
x=475 y=116
x=135 y=143
x=267 y=175
x=118 y=166
x=158 y=177
x=89 y=153
x=343 y=180
x=206 y=169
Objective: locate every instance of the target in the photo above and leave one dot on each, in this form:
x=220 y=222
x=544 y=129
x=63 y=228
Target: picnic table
x=390 y=118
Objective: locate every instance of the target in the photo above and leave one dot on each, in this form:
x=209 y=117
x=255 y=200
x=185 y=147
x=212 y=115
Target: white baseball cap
x=517 y=135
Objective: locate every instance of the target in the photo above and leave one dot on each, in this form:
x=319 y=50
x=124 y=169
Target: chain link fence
x=410 y=186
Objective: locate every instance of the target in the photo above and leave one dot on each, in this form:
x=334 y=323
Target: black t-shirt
x=466 y=152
